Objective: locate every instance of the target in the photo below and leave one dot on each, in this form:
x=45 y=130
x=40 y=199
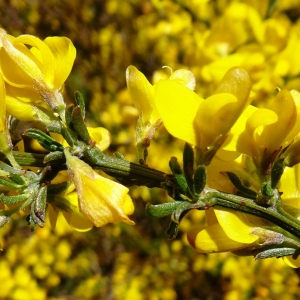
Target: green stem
x=130 y=173
x=278 y=217
x=127 y=172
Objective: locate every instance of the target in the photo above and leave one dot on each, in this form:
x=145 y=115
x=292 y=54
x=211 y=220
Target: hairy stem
x=278 y=217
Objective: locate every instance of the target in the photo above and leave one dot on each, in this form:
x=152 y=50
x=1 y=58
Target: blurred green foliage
x=119 y=261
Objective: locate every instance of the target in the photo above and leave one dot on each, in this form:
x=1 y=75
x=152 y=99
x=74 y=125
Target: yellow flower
x=225 y=231
x=66 y=204
x=287 y=63
x=260 y=132
x=101 y=136
x=42 y=69
x=239 y=23
x=235 y=231
x=19 y=104
x=101 y=200
x=231 y=231
x=289 y=186
x=70 y=210
x=142 y=94
x=186 y=115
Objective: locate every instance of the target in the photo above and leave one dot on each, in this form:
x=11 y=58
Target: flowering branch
x=238 y=161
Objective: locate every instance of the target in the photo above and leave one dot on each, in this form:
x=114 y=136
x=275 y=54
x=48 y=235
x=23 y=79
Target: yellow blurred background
x=139 y=262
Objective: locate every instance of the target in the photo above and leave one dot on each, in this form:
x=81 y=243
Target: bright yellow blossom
x=142 y=94
x=69 y=208
x=288 y=64
x=187 y=116
x=101 y=200
x=225 y=231
x=260 y=132
x=234 y=231
x=289 y=186
x=42 y=69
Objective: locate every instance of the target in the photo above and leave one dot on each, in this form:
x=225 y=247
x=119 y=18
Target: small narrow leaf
x=80 y=102
x=179 y=177
x=162 y=210
x=188 y=164
x=46 y=141
x=53 y=157
x=79 y=124
x=40 y=203
x=68 y=114
x=54 y=126
x=235 y=180
x=276 y=172
x=199 y=179
x=277 y=252
x=13 y=199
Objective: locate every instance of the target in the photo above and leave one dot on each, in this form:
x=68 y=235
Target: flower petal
x=101 y=136
x=212 y=239
x=248 y=128
x=18 y=65
x=286 y=120
x=217 y=109
x=101 y=200
x=64 y=54
x=20 y=110
x=142 y=94
x=294 y=263
x=290 y=186
x=43 y=53
x=237 y=226
x=184 y=77
x=177 y=106
x=223 y=108
x=73 y=216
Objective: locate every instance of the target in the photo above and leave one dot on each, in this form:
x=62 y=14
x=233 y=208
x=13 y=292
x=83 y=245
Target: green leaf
x=162 y=210
x=13 y=199
x=34 y=219
x=199 y=179
x=80 y=102
x=276 y=172
x=179 y=177
x=54 y=157
x=188 y=164
x=181 y=210
x=10 y=184
x=79 y=125
x=172 y=230
x=68 y=114
x=46 y=141
x=235 y=180
x=54 y=126
x=277 y=252
x=40 y=204
x=67 y=136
